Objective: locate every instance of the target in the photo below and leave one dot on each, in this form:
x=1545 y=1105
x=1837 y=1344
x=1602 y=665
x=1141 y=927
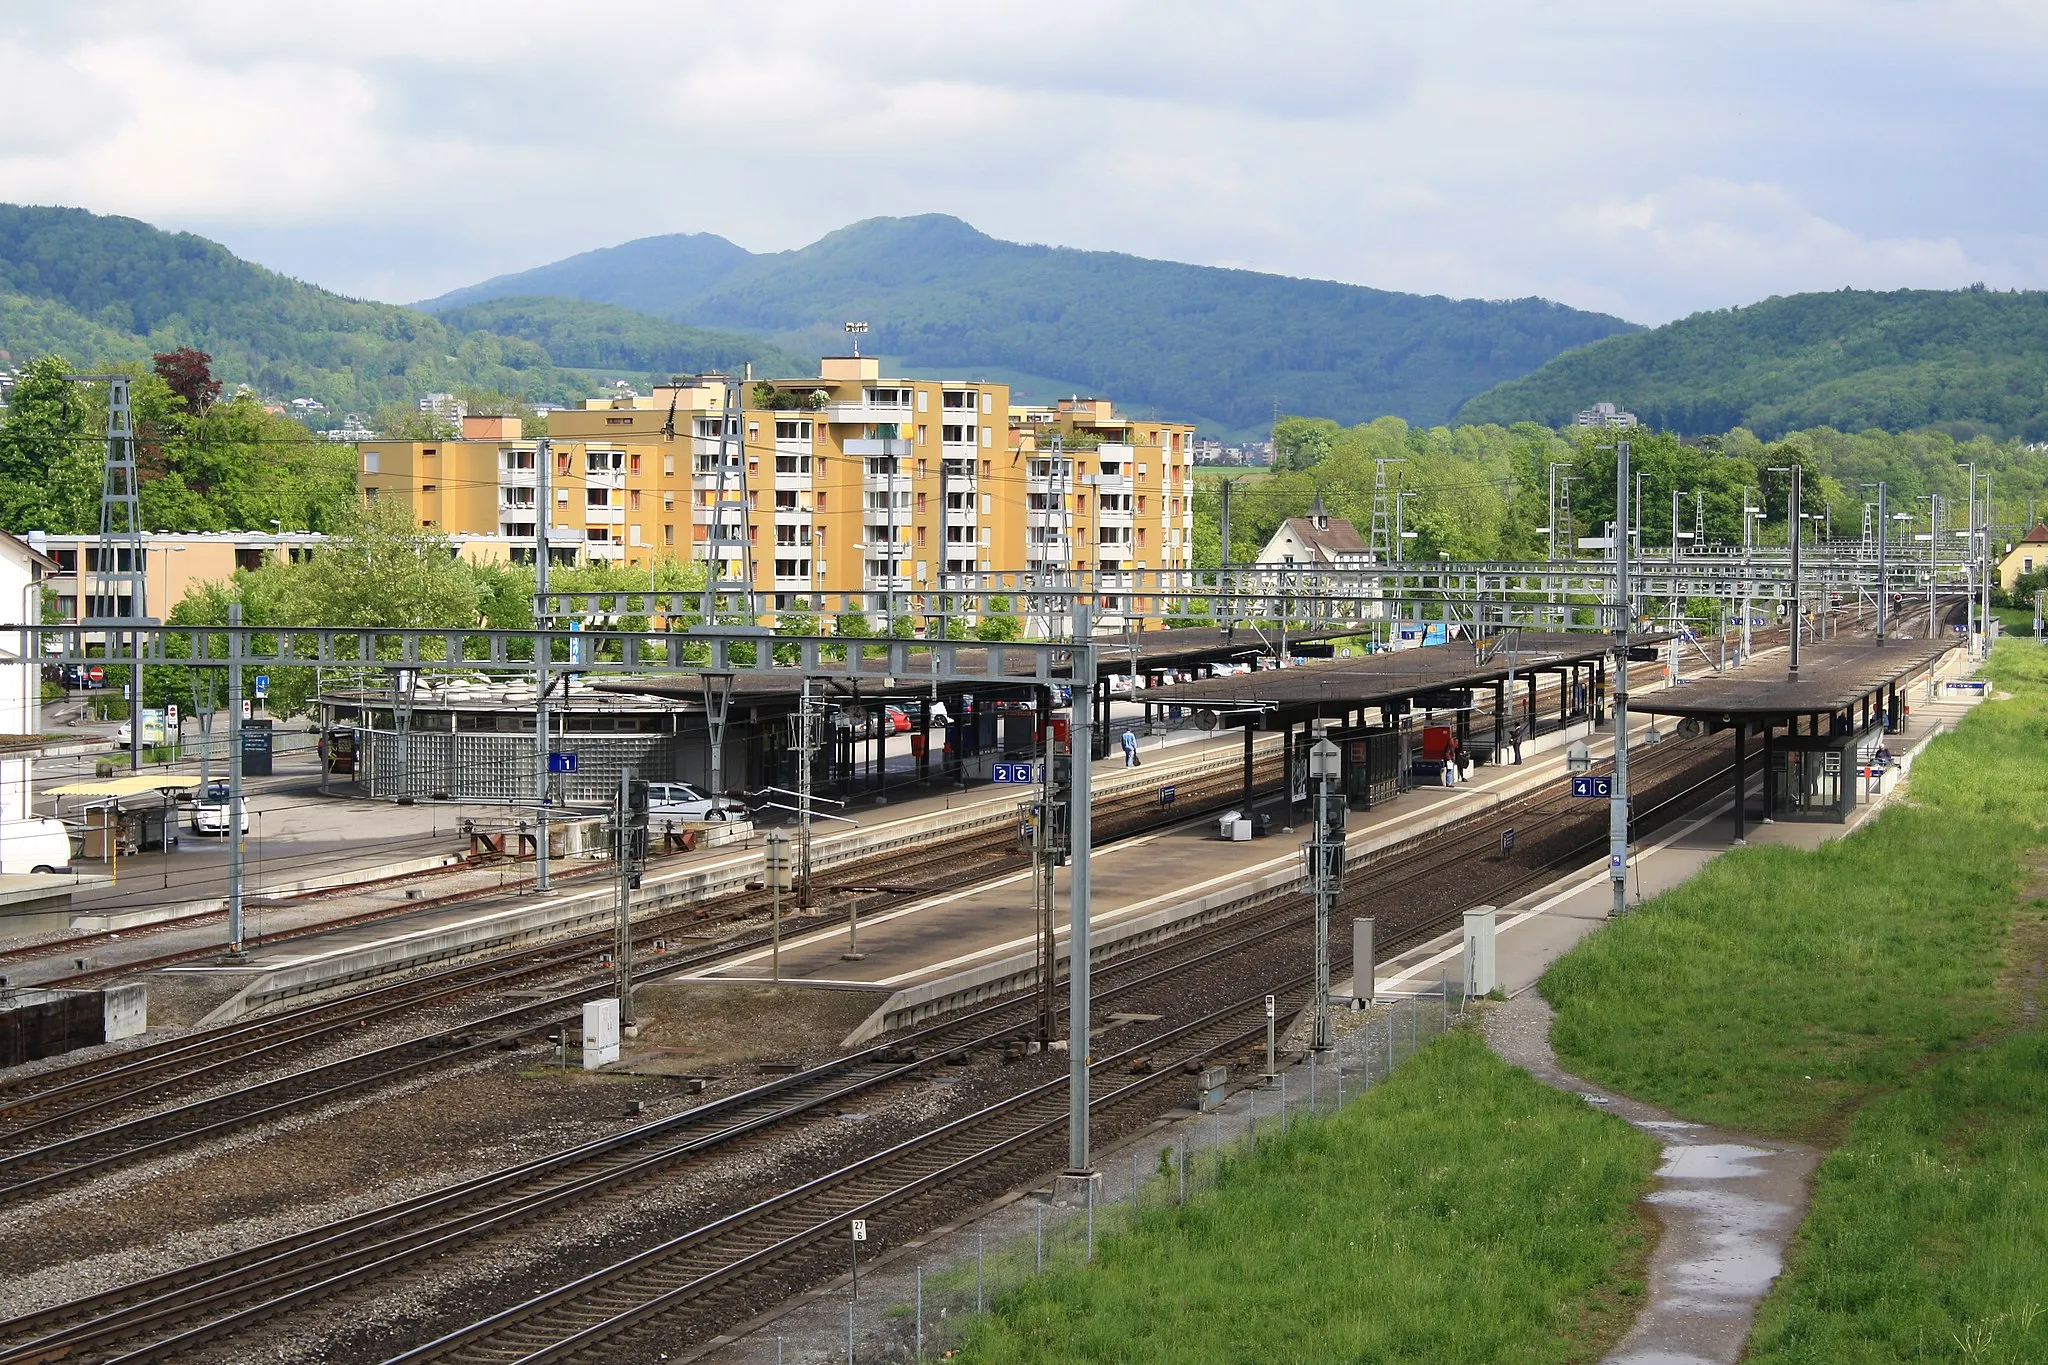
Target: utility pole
x=806 y=740
x=1326 y=869
x=1883 y=584
x=1984 y=572
x=1933 y=554
x=237 y=642
x=1048 y=840
x=1079 y=889
x=1792 y=518
x=543 y=652
x=117 y=586
x=629 y=829
x=1617 y=806
x=1969 y=564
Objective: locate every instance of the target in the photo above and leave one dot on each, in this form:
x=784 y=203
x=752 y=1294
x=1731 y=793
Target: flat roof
x=1832 y=676
x=1155 y=649
x=1372 y=678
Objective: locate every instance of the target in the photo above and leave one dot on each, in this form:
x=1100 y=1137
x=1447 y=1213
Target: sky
x=1644 y=160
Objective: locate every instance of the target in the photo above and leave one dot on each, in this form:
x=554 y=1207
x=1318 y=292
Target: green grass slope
x=1457 y=1212
x=1970 y=360
x=1189 y=342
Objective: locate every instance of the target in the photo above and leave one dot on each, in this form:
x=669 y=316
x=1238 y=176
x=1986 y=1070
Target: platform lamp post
x=1884 y=533
x=1617 y=806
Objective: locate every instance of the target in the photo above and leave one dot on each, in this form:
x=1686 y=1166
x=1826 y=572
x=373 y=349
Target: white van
x=34 y=846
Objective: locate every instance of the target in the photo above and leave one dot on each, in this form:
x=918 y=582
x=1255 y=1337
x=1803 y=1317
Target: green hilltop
x=1969 y=362
x=99 y=289
x=1195 y=343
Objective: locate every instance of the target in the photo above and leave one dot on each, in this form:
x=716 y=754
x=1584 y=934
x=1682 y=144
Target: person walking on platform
x=1130 y=749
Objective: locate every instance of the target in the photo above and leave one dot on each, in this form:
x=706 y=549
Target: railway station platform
x=359 y=951
x=948 y=951
x=1536 y=929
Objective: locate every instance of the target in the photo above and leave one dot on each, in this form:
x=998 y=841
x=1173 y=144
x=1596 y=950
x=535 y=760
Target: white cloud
x=1646 y=160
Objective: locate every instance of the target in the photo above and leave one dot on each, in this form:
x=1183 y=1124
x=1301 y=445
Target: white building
x=22 y=567
x=1317 y=540
x=1604 y=415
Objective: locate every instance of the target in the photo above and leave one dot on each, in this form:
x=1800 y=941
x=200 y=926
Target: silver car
x=681 y=801
x=210 y=812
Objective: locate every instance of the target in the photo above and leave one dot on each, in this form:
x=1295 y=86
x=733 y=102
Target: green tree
x=51 y=459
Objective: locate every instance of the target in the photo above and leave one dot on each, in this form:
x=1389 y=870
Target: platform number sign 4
x=1602 y=787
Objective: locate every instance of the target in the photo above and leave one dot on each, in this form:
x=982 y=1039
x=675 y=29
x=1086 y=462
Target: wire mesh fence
x=922 y=1303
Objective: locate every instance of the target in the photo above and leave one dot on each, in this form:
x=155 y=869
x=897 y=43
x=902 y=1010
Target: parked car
x=899 y=720
x=34 y=846
x=680 y=801
x=210 y=812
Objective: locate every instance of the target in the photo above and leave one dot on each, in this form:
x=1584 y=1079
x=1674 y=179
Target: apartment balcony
x=864 y=412
x=1110 y=483
x=1117 y=516
x=604 y=549
x=957 y=484
x=518 y=478
x=604 y=516
x=882 y=583
x=874 y=447
x=1048 y=519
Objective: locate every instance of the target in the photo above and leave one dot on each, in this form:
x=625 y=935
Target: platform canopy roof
x=140 y=784
x=1369 y=679
x=1832 y=677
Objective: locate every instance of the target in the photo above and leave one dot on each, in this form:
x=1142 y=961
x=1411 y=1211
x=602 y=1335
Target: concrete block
x=600 y=1033
x=125 y=1010
x=1481 y=969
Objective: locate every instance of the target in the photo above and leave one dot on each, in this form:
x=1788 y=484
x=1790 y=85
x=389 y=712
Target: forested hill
x=602 y=336
x=1968 y=361
x=1189 y=342
x=100 y=289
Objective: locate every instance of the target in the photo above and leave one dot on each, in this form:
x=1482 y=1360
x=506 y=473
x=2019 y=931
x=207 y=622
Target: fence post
x=920 y=1310
x=1134 y=1180
x=1039 y=1209
x=977 y=1270
x=849 y=1332
x=1180 y=1148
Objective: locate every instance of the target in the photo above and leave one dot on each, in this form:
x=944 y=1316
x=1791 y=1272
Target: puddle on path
x=1729 y=1205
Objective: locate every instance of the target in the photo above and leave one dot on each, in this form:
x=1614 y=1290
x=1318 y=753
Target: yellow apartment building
x=848 y=482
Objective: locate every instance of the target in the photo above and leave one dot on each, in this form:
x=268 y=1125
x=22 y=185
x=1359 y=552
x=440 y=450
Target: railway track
x=64 y=1124
x=182 y=1310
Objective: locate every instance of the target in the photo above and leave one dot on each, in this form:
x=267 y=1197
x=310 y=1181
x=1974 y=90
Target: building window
x=792 y=464
x=67 y=560
x=604 y=461
x=668 y=500
x=633 y=498
x=954 y=434
x=668 y=534
x=985 y=465
x=515 y=497
x=633 y=462
x=516 y=459
x=920 y=428
x=372 y=460
x=793 y=430
x=821 y=499
x=597 y=497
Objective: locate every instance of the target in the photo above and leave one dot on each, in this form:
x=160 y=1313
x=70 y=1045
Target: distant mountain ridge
x=1972 y=361
x=1222 y=347
x=99 y=288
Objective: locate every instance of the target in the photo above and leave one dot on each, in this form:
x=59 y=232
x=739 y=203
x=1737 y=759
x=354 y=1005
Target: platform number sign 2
x=1016 y=774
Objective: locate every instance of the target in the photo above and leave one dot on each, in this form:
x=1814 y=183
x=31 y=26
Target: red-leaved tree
x=189 y=373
